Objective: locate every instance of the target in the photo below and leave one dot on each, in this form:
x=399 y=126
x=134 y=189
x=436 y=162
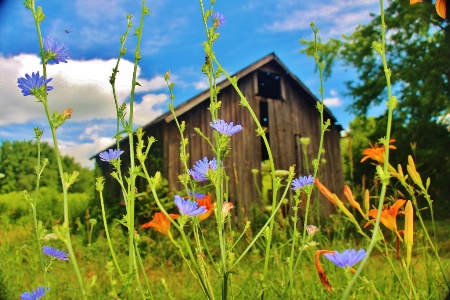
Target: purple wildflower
x=347 y=258
x=39 y=293
x=55 y=253
x=56 y=52
x=225 y=128
x=218 y=19
x=110 y=155
x=30 y=84
x=196 y=195
x=301 y=182
x=201 y=167
x=189 y=208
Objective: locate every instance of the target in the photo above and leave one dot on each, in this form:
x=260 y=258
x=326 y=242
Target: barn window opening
x=269 y=85
x=264 y=120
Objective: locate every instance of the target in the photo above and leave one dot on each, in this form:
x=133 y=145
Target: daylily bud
x=415 y=176
x=409 y=231
x=367 y=201
x=349 y=195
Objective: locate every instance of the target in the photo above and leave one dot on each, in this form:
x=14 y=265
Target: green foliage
x=431 y=157
x=417 y=51
x=49 y=206
x=18 y=160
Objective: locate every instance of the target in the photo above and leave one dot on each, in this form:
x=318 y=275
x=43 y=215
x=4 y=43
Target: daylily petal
x=441 y=8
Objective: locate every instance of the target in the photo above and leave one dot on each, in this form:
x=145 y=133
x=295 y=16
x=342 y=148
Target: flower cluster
x=376 y=153
x=55 y=253
x=55 y=51
x=348 y=258
x=225 y=128
x=200 y=170
x=31 y=84
x=111 y=154
x=160 y=222
x=188 y=207
x=204 y=201
x=302 y=182
x=218 y=19
x=39 y=293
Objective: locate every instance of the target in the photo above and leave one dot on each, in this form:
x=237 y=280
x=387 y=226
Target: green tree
x=418 y=53
x=19 y=158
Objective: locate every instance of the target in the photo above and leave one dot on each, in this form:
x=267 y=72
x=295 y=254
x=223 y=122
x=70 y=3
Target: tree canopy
x=418 y=54
x=19 y=158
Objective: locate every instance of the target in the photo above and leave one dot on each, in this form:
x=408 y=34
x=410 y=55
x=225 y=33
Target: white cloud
x=84 y=87
x=81 y=152
x=201 y=84
x=337 y=17
x=145 y=111
x=332 y=102
x=81 y=85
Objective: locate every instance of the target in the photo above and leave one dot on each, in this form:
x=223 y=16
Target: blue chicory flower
x=301 y=182
x=39 y=293
x=347 y=258
x=201 y=167
x=30 y=84
x=56 y=52
x=55 y=253
x=218 y=19
x=196 y=195
x=189 y=208
x=110 y=155
x=225 y=128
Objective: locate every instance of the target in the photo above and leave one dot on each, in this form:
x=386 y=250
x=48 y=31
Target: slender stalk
x=385 y=178
x=33 y=206
x=68 y=241
x=108 y=238
x=131 y=190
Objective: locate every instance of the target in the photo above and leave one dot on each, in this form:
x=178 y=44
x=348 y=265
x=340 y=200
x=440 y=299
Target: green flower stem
x=323 y=128
x=113 y=79
x=294 y=241
x=131 y=191
x=411 y=192
x=108 y=238
x=179 y=228
x=214 y=108
x=272 y=216
x=384 y=181
x=260 y=131
x=68 y=241
x=411 y=284
x=33 y=206
x=141 y=266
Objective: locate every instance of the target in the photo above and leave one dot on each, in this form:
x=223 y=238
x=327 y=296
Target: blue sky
x=172 y=40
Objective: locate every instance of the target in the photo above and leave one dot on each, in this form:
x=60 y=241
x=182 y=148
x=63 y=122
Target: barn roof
x=186 y=106
x=204 y=96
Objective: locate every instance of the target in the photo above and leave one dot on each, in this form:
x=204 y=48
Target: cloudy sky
x=172 y=40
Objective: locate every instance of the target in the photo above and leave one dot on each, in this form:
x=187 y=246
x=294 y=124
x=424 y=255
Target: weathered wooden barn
x=284 y=106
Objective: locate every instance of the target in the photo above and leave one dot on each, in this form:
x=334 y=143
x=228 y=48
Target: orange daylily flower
x=441 y=7
x=376 y=153
x=349 y=195
x=388 y=215
x=206 y=201
x=326 y=192
x=160 y=222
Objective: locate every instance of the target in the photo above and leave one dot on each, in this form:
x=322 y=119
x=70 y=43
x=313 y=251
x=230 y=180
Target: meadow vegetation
x=58 y=240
